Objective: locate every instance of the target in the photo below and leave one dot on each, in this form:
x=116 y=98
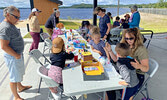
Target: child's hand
x=123 y=83
x=108 y=46
x=100 y=53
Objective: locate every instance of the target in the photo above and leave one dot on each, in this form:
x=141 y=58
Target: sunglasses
x=97 y=13
x=15 y=16
x=129 y=38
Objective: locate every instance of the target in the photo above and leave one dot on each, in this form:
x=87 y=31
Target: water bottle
x=65 y=35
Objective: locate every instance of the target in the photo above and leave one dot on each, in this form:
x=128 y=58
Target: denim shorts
x=16 y=67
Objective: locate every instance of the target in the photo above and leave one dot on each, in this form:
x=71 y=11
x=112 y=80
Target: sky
x=26 y=3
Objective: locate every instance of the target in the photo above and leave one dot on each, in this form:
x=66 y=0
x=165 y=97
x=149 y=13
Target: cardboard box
x=93 y=74
x=86 y=56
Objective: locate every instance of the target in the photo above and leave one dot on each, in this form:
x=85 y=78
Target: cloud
x=17 y=3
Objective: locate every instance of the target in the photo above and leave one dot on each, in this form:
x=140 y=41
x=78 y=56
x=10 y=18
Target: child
x=117 y=22
x=58 y=58
x=97 y=45
x=89 y=32
x=84 y=29
x=127 y=71
x=57 y=31
x=126 y=21
x=111 y=18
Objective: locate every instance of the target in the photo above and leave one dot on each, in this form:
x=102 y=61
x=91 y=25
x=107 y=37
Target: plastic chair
x=147 y=38
x=38 y=57
x=115 y=34
x=153 y=67
x=43 y=72
x=45 y=36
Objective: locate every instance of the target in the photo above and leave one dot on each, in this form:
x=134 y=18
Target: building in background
x=46 y=6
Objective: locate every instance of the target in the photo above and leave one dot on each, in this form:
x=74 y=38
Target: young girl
x=57 y=31
x=58 y=58
x=34 y=28
x=97 y=45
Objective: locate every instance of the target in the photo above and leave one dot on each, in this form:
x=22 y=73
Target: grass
x=67 y=24
x=156 y=23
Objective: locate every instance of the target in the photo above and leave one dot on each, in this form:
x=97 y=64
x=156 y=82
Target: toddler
x=117 y=22
x=126 y=70
x=58 y=58
x=57 y=30
x=96 y=43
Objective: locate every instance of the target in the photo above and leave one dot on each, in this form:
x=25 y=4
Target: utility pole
x=94 y=15
x=118 y=8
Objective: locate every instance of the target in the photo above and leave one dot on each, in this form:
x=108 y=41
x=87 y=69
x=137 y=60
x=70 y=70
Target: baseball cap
x=57 y=45
x=35 y=9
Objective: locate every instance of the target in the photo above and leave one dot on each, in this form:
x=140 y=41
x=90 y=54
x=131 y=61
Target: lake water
x=72 y=13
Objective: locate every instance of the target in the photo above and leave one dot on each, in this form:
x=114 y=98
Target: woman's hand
x=135 y=64
x=105 y=36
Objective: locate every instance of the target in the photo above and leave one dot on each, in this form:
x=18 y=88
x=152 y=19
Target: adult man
x=13 y=45
x=52 y=21
x=134 y=20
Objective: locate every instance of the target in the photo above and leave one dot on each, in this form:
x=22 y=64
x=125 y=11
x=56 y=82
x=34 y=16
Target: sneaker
x=56 y=96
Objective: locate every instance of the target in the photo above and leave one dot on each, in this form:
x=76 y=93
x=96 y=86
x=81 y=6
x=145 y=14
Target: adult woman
x=133 y=37
x=52 y=21
x=34 y=28
x=104 y=23
x=134 y=20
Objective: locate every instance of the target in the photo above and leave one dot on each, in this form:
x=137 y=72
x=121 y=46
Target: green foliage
x=69 y=18
x=160 y=4
x=82 y=5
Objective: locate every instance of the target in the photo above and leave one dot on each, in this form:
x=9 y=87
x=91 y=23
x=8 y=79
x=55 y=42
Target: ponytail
x=31 y=14
x=96 y=30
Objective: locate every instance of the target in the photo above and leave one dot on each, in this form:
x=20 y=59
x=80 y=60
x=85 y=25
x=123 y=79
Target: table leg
x=104 y=95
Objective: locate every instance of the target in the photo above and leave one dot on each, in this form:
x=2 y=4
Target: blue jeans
x=16 y=67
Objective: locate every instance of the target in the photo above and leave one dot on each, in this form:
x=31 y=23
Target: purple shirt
x=98 y=46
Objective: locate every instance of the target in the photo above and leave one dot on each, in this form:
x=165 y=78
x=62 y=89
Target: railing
x=159 y=11
x=149 y=40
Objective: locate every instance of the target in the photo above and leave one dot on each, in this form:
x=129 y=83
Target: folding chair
x=147 y=38
x=153 y=67
x=43 y=72
x=38 y=57
x=115 y=34
x=45 y=36
x=48 y=43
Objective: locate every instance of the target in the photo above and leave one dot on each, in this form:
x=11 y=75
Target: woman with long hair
x=34 y=28
x=133 y=38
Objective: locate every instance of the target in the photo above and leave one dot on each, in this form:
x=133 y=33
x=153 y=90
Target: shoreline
x=154 y=22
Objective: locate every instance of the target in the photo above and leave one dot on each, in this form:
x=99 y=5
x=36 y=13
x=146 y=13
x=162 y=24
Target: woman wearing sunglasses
x=133 y=37
x=104 y=23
